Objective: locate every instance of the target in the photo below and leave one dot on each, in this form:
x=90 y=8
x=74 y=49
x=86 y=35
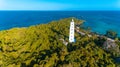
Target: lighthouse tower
x=71 y=34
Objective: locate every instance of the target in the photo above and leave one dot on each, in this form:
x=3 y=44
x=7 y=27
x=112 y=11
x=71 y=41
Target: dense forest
x=43 y=46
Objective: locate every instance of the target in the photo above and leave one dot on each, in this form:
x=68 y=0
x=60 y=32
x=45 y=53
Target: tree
x=111 y=34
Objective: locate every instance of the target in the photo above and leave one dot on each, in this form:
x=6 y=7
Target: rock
x=109 y=43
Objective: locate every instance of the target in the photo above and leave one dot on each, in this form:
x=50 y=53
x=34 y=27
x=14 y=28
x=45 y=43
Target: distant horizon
x=59 y=10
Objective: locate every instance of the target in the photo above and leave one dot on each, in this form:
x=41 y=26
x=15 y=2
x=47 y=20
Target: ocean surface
x=99 y=21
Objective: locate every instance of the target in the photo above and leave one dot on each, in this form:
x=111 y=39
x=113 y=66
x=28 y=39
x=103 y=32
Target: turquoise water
x=99 y=21
x=102 y=21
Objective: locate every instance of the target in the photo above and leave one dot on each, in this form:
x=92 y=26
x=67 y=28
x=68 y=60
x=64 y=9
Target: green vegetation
x=40 y=46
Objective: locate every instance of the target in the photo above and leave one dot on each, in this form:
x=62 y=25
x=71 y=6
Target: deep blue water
x=99 y=21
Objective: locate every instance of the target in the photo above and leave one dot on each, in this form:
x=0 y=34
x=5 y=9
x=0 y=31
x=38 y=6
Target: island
x=47 y=45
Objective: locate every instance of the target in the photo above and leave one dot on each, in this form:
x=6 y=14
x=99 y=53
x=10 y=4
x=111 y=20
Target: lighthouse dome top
x=72 y=20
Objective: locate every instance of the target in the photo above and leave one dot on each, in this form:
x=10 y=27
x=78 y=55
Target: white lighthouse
x=71 y=34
